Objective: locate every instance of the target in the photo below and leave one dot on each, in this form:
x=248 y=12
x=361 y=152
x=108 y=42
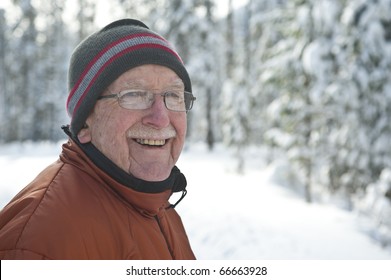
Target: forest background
x=307 y=81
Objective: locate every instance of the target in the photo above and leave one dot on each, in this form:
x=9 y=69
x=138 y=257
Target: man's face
x=118 y=132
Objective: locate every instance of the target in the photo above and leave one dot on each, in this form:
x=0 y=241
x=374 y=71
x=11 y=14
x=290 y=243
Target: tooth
x=151 y=142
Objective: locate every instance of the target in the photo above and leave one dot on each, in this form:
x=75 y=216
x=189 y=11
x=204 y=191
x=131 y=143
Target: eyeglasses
x=178 y=101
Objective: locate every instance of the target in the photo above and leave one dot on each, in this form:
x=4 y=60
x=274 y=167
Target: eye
x=134 y=94
x=174 y=95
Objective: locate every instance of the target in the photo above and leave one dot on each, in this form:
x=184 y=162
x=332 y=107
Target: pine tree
x=282 y=91
x=362 y=94
x=204 y=65
x=50 y=111
x=235 y=110
x=21 y=92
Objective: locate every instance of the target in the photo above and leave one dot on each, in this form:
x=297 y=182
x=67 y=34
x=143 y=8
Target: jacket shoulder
x=60 y=215
x=15 y=217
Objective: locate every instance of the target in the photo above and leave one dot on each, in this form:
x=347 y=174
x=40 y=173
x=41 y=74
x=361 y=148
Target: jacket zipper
x=164 y=236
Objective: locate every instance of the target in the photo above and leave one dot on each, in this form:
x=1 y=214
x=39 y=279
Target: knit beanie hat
x=102 y=57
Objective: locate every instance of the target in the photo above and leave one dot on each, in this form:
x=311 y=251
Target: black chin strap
x=184 y=193
x=175 y=182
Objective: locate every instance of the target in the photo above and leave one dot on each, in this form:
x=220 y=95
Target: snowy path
x=230 y=216
x=249 y=217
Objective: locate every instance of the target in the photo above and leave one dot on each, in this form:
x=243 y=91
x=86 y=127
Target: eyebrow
x=176 y=84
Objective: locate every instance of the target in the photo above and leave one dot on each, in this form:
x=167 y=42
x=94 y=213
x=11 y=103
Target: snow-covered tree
x=235 y=100
x=376 y=206
x=22 y=72
x=204 y=66
x=50 y=111
x=283 y=88
x=359 y=97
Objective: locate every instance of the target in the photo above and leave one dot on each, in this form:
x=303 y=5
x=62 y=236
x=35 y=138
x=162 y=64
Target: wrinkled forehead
x=149 y=77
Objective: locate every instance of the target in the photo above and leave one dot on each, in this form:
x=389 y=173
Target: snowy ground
x=227 y=215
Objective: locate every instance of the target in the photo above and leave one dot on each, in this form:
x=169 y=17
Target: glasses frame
x=118 y=96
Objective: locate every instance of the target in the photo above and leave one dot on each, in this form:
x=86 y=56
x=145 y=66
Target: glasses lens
x=141 y=99
x=175 y=101
x=179 y=101
x=135 y=99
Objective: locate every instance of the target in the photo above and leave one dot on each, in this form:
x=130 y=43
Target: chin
x=152 y=175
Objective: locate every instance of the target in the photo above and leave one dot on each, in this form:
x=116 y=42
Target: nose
x=158 y=115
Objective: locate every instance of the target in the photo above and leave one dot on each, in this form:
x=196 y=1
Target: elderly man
x=107 y=195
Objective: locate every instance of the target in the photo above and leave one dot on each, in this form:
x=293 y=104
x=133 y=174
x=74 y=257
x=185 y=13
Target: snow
x=228 y=215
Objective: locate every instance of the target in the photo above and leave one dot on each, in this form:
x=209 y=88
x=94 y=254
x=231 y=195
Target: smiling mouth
x=151 y=142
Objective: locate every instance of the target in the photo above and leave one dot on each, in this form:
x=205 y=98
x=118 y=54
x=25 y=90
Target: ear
x=84 y=134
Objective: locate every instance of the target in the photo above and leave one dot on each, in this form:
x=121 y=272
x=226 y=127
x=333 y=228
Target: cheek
x=109 y=136
x=106 y=128
x=180 y=125
x=114 y=132
x=108 y=120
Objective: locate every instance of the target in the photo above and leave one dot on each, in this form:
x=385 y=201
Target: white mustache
x=145 y=132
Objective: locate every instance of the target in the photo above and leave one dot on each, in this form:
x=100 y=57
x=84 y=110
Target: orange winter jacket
x=75 y=210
